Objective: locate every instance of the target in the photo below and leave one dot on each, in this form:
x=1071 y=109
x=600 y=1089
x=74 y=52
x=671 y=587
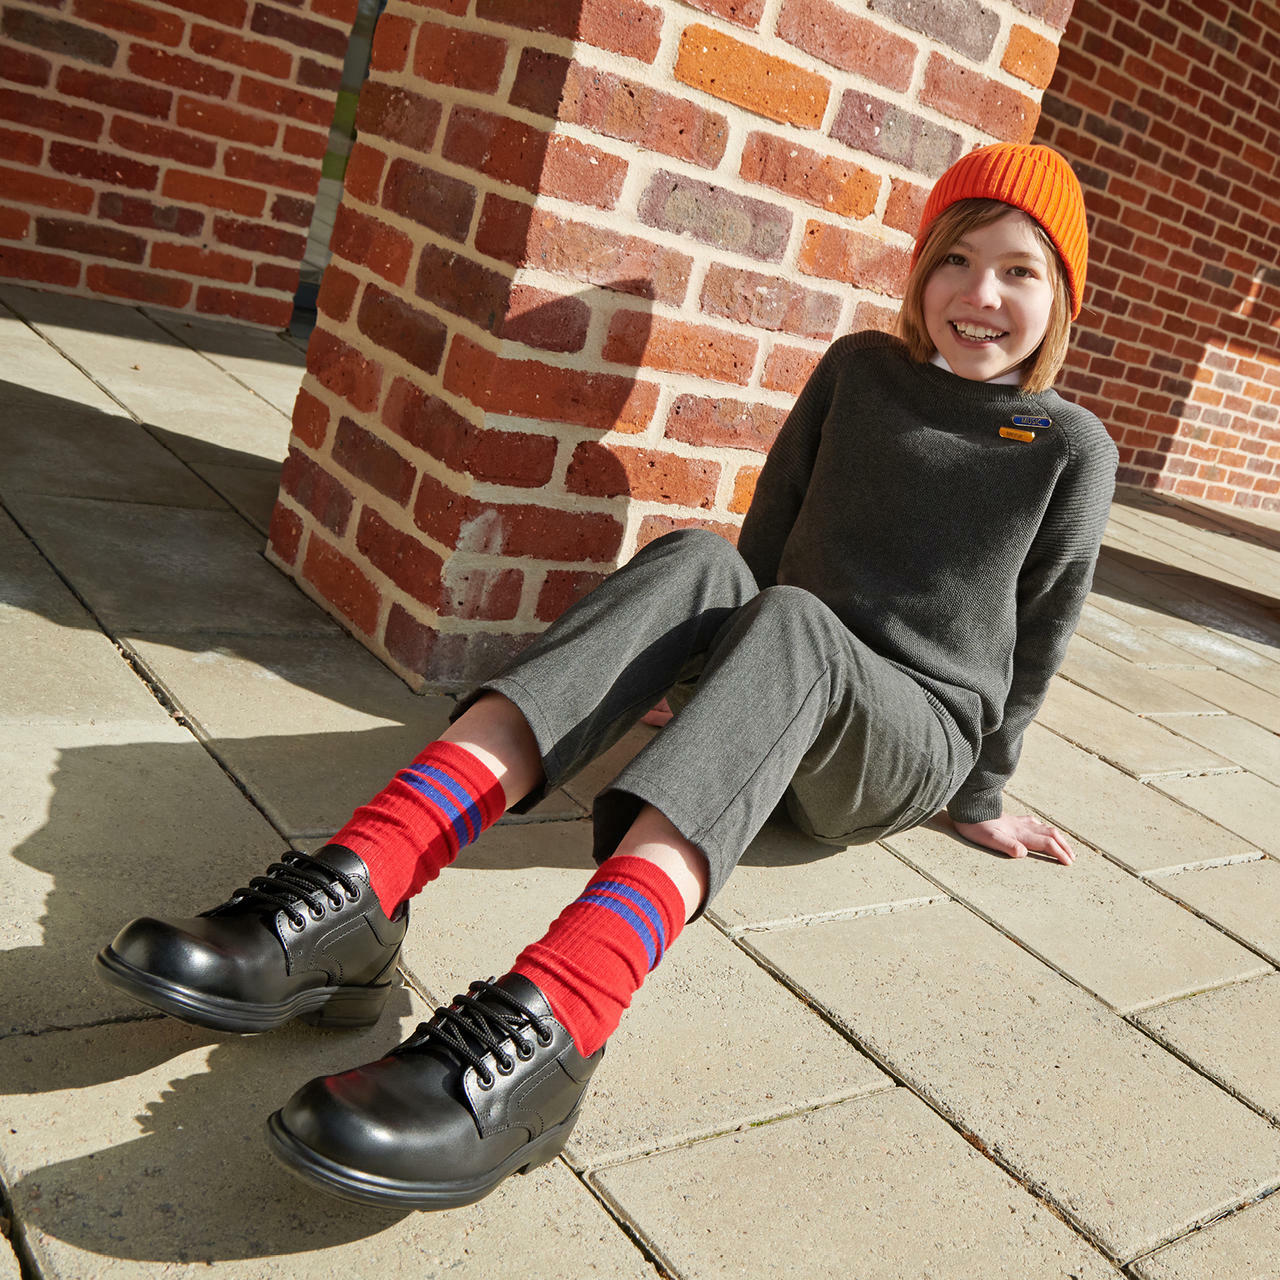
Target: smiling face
x=987 y=303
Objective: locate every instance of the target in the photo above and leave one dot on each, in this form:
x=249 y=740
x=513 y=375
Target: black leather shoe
x=308 y=940
x=489 y=1087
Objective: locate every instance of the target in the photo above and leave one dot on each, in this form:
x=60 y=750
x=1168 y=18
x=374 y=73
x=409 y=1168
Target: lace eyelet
x=545 y=1038
x=485 y=1082
x=334 y=900
x=297 y=924
x=505 y=1066
x=351 y=897
x=524 y=1050
x=316 y=913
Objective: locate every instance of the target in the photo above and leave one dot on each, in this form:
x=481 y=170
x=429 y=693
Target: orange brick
x=652 y=527
x=735 y=72
x=310 y=419
x=140 y=286
x=827 y=30
x=1030 y=57
x=42 y=268
x=198 y=188
x=344 y=370
x=342 y=584
x=562 y=588
x=718 y=423
x=23 y=187
x=643 y=340
x=577 y=171
x=835 y=253
x=788 y=368
x=837 y=186
x=531 y=389
x=975 y=99
x=190 y=261
x=285 y=533
x=649 y=475
x=253 y=308
x=744 y=488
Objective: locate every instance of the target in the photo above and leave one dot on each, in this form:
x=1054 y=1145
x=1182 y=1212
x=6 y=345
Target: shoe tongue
x=340 y=858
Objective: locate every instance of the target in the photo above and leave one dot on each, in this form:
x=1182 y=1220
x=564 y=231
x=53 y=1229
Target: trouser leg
x=603 y=663
x=789 y=702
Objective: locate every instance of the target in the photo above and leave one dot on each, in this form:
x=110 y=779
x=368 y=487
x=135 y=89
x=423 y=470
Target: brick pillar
x=166 y=153
x=587 y=255
x=1169 y=114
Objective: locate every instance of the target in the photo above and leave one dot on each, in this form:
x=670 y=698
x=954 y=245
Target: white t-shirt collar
x=1012 y=377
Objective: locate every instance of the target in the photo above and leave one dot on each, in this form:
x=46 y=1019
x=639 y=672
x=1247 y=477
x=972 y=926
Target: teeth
x=979 y=335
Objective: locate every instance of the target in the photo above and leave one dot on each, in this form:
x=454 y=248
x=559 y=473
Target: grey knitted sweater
x=960 y=555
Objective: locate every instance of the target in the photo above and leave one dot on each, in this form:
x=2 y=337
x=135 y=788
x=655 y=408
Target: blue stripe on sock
x=643 y=904
x=467 y=802
x=427 y=783
x=645 y=922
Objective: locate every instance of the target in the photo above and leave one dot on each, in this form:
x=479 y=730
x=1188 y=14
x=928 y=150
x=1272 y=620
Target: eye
x=955 y=259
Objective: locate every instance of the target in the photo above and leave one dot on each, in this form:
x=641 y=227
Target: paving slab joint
x=1039 y=1193
x=13 y=1237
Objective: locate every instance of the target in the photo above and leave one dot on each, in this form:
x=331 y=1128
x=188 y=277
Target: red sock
x=415 y=826
x=601 y=946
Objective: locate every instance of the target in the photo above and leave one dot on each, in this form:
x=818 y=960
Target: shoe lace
x=470 y=1029
x=296 y=879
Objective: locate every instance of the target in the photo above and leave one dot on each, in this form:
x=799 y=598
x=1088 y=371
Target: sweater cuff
x=983 y=806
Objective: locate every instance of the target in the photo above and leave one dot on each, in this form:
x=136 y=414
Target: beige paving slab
x=99 y=824
x=152 y=568
x=1201 y=547
x=1244 y=1246
x=1072 y=918
x=56 y=666
x=1208 y=648
x=1139 y=747
x=1132 y=687
x=1129 y=821
x=249 y=490
x=1127 y=641
x=1132 y=1145
x=30 y=362
x=1241 y=741
x=156 y=1166
x=880 y=1189
x=267 y=363
x=312 y=727
x=57 y=674
x=1233 y=694
x=710 y=1041
x=1172 y=604
x=1232 y=1034
x=54 y=445
x=1241 y=802
x=162 y=381
x=8 y=1261
x=1243 y=899
x=785 y=879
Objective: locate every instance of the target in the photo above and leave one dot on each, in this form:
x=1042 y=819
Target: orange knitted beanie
x=1036 y=180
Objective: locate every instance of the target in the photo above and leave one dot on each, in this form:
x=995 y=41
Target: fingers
x=1051 y=841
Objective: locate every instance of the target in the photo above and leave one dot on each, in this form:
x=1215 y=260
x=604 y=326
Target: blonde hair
x=952 y=224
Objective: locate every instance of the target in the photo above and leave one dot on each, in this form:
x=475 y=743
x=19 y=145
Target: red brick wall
x=166 y=153
x=1169 y=112
x=586 y=256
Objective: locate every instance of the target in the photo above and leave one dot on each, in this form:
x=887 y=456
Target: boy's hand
x=1017 y=836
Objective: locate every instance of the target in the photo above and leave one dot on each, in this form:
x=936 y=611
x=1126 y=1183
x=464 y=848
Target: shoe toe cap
x=377 y=1120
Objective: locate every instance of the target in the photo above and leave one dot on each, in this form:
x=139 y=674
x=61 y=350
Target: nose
x=981 y=290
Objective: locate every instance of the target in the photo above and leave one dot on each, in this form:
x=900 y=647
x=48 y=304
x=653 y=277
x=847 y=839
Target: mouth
x=975 y=333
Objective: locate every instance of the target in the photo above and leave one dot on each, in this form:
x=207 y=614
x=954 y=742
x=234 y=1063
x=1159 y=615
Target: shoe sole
x=321 y=1006
x=391 y=1193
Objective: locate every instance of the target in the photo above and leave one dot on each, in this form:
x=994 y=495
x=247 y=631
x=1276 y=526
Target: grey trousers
x=787 y=704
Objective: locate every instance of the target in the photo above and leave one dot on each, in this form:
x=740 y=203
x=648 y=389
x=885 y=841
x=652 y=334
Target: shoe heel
x=350 y=1007
x=551 y=1144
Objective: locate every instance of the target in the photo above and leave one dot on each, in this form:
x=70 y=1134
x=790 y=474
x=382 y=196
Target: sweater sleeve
x=1052 y=587
x=782 y=484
